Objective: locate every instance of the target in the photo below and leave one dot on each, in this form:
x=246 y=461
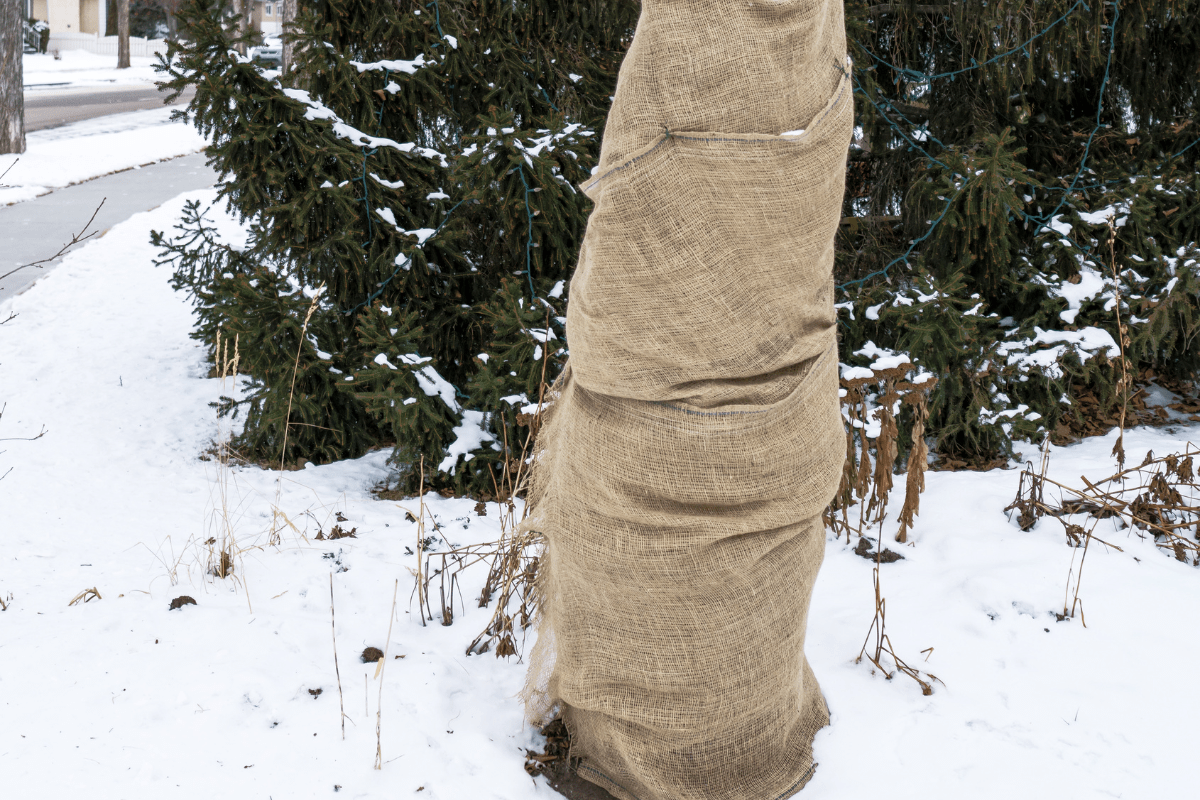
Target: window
x=270 y=10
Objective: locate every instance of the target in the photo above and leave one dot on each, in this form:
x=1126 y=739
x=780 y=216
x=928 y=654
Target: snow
x=1058 y=226
x=1091 y=283
x=1086 y=342
x=382 y=360
x=856 y=373
x=408 y=67
x=319 y=111
x=470 y=435
x=122 y=698
x=434 y=385
x=1104 y=215
x=884 y=358
x=388 y=184
x=387 y=215
x=81 y=68
x=80 y=151
x=538 y=144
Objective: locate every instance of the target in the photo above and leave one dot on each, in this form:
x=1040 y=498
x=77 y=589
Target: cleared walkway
x=38 y=228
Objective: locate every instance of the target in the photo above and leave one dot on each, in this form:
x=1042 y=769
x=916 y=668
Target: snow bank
x=73 y=153
x=81 y=68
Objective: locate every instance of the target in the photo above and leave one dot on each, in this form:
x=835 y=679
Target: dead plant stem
x=382 y=666
x=336 y=671
x=287 y=420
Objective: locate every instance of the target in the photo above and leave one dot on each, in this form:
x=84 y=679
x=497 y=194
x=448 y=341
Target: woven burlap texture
x=695 y=435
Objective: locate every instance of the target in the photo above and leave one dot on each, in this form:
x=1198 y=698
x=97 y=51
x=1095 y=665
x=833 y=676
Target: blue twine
x=921 y=77
x=1087 y=149
x=437 y=18
x=374 y=295
x=367 y=153
x=528 y=236
x=1040 y=221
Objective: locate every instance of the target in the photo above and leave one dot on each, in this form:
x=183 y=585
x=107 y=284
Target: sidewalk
x=36 y=229
x=80 y=151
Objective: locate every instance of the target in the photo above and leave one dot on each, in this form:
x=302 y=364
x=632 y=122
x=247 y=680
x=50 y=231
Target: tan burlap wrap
x=695 y=436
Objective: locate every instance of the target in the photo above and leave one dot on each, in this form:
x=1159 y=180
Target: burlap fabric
x=695 y=436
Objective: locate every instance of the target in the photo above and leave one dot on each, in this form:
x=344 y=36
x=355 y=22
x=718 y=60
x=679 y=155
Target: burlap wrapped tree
x=694 y=437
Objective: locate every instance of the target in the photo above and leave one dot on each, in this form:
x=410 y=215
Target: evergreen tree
x=1022 y=172
x=414 y=171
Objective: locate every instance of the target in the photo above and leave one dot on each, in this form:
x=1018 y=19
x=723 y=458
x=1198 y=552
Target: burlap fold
x=695 y=436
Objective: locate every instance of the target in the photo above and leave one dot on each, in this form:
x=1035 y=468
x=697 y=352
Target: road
x=36 y=229
x=50 y=107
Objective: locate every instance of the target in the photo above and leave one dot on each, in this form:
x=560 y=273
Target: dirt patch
x=865 y=548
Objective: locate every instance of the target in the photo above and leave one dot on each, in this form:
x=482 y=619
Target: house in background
x=70 y=16
x=267 y=17
x=92 y=16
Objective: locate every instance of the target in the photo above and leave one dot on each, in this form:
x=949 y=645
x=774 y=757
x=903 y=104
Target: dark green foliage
x=416 y=171
x=430 y=204
x=997 y=141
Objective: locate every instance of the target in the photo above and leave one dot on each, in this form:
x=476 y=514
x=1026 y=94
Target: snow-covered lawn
x=81 y=68
x=80 y=151
x=120 y=697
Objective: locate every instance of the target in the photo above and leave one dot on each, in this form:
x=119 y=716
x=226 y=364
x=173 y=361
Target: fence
x=105 y=45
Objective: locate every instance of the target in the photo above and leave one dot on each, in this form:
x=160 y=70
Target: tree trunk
x=289 y=19
x=246 y=9
x=12 y=76
x=122 y=34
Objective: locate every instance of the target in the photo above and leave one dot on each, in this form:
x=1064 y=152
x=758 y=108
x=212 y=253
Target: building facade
x=91 y=16
x=70 y=16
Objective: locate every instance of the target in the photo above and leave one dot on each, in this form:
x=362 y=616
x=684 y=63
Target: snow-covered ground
x=80 y=151
x=81 y=68
x=120 y=697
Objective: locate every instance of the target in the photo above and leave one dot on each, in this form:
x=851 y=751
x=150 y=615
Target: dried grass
x=869 y=406
x=513 y=558
x=336 y=669
x=86 y=596
x=1159 y=499
x=287 y=420
x=379 y=670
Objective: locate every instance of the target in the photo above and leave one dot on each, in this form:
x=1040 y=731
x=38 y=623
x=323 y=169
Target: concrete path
x=49 y=108
x=36 y=229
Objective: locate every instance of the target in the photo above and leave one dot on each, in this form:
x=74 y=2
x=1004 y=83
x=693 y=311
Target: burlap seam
x=760 y=140
x=747 y=139
x=662 y=139
x=820 y=362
